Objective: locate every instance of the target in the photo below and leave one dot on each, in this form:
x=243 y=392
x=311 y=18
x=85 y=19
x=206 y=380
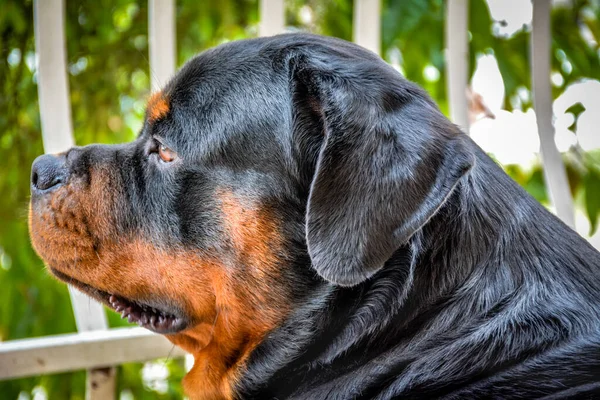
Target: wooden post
x=161 y=27
x=554 y=169
x=57 y=133
x=367 y=24
x=457 y=60
x=272 y=17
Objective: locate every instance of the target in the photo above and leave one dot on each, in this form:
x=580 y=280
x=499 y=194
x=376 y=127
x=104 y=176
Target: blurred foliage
x=109 y=77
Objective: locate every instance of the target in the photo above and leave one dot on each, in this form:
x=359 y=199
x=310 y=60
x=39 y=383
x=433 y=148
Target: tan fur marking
x=158 y=107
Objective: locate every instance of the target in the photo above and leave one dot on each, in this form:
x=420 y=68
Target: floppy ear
x=388 y=161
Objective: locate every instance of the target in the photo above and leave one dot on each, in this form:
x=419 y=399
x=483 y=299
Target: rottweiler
x=308 y=224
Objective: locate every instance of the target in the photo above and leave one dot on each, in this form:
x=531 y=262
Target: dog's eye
x=165 y=153
x=156 y=148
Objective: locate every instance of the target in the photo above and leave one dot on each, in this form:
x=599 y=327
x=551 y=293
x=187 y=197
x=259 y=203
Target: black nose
x=47 y=171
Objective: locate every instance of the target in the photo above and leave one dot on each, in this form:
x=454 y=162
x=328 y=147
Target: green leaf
x=576 y=109
x=592 y=198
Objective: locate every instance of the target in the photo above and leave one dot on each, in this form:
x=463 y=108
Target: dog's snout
x=47 y=171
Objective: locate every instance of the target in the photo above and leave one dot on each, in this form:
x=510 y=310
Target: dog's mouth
x=161 y=319
x=149 y=317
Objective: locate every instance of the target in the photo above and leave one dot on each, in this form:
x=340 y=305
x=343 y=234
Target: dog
x=308 y=225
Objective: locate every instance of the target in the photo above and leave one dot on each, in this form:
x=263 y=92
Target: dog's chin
x=163 y=319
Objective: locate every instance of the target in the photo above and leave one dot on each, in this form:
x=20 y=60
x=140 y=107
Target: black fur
x=484 y=293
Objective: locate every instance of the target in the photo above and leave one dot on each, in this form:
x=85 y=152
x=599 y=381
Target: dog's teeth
x=141 y=314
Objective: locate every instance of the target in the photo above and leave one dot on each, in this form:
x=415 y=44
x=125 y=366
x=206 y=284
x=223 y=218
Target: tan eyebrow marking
x=158 y=107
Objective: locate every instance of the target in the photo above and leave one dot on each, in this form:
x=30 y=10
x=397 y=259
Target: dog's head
x=261 y=162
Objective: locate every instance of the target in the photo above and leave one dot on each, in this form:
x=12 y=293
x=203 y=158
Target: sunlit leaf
x=592 y=198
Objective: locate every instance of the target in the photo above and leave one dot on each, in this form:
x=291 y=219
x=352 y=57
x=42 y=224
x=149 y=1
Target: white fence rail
x=97 y=348
x=161 y=37
x=272 y=17
x=367 y=24
x=86 y=350
x=457 y=60
x=554 y=170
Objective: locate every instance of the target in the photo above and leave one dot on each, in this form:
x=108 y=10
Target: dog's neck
x=458 y=269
